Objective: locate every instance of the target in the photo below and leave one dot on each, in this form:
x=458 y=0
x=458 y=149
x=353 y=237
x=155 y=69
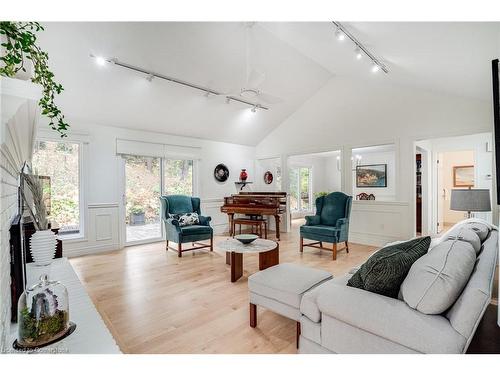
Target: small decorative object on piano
x=43 y=314
x=246 y=238
x=268 y=177
x=243 y=175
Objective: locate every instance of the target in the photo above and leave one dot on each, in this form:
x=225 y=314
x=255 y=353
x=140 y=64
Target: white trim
x=87 y=250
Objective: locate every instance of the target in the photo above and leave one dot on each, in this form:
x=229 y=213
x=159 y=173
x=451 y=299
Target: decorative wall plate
x=268 y=177
x=221 y=173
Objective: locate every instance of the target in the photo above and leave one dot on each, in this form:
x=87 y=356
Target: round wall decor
x=221 y=173
x=268 y=177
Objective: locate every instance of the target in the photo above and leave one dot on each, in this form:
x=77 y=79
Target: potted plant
x=137 y=215
x=43 y=242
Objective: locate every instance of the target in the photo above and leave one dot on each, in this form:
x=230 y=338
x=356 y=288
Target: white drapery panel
x=20 y=133
x=169 y=151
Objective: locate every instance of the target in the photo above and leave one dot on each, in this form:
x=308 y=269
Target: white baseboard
x=88 y=250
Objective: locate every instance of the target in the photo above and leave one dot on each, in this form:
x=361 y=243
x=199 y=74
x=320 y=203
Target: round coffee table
x=268 y=254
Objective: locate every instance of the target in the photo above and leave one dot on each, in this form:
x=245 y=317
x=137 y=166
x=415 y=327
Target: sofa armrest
x=391 y=319
x=313 y=220
x=204 y=220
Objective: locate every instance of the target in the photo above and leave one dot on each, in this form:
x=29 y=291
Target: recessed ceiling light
x=339 y=35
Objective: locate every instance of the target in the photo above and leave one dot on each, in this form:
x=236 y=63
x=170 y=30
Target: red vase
x=243 y=175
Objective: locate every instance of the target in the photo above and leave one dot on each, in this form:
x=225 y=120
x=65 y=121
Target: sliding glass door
x=146 y=179
x=300 y=189
x=142 y=198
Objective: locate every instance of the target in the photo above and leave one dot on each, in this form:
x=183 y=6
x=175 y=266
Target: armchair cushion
x=322 y=230
x=390 y=319
x=190 y=230
x=385 y=271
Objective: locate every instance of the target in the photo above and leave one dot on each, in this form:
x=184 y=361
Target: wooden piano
x=255 y=203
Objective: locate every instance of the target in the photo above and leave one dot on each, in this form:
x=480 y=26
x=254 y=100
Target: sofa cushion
x=286 y=282
x=436 y=280
x=482 y=230
x=464 y=233
x=322 y=230
x=384 y=271
x=309 y=304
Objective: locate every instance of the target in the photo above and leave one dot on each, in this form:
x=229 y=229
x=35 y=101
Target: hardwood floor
x=154 y=302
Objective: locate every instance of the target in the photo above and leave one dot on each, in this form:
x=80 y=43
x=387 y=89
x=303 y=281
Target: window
x=178 y=177
x=58 y=165
x=300 y=189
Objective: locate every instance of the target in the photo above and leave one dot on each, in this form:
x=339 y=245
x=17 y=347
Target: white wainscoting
x=101 y=233
x=211 y=207
x=377 y=223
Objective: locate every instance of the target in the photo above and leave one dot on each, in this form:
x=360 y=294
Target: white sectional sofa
x=336 y=318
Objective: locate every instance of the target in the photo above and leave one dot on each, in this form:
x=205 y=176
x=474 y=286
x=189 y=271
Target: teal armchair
x=330 y=224
x=182 y=204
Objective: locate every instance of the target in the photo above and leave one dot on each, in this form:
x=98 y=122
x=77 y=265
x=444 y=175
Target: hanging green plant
x=19 y=46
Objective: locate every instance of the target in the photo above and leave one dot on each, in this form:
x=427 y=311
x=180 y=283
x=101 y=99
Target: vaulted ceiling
x=297 y=59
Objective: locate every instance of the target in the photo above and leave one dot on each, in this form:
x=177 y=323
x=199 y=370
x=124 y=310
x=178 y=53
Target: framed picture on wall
x=371 y=176
x=463 y=176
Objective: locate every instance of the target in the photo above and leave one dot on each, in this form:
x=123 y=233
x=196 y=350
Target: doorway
x=446 y=164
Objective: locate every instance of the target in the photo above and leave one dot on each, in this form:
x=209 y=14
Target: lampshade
x=474 y=200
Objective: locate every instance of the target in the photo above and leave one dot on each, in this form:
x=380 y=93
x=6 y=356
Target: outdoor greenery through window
x=58 y=165
x=300 y=189
x=178 y=177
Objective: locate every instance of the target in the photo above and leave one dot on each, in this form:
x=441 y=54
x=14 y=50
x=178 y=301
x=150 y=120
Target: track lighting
x=358 y=53
x=339 y=34
x=360 y=50
x=151 y=75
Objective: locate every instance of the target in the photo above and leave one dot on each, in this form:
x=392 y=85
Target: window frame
x=82 y=182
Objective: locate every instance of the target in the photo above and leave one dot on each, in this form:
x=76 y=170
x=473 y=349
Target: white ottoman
x=280 y=288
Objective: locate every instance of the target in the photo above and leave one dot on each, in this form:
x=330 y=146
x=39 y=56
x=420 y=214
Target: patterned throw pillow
x=384 y=272
x=190 y=218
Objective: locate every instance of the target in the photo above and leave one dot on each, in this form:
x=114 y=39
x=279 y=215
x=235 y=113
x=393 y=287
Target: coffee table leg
x=269 y=258
x=228 y=257
x=236 y=266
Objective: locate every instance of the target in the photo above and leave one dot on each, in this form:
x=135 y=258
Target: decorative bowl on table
x=246 y=238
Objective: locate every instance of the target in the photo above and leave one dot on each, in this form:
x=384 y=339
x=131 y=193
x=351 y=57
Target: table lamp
x=470 y=200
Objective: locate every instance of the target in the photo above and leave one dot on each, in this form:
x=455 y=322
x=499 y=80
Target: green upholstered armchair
x=330 y=224
x=182 y=204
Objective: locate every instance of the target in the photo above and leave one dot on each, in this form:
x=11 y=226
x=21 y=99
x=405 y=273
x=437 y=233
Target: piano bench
x=257 y=223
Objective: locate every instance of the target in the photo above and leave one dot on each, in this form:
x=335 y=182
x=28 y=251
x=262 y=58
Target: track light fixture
x=151 y=75
x=254 y=109
x=341 y=33
x=358 y=53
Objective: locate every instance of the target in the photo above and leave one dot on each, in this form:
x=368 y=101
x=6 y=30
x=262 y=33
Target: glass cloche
x=43 y=313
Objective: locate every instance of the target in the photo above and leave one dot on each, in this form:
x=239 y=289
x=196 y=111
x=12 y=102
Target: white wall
x=103 y=171
x=346 y=114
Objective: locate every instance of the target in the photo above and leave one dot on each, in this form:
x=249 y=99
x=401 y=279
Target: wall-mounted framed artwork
x=371 y=176
x=463 y=176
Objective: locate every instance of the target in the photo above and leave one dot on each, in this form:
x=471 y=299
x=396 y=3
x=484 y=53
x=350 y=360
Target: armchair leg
x=179 y=250
x=347 y=247
x=166 y=247
x=334 y=249
x=301 y=244
x=212 y=243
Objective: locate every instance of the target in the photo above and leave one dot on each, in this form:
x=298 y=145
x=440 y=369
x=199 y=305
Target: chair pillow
x=436 y=280
x=190 y=218
x=385 y=270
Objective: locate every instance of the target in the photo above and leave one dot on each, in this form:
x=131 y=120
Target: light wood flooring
x=154 y=302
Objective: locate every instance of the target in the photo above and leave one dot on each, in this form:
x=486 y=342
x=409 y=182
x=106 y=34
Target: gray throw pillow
x=436 y=280
x=385 y=270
